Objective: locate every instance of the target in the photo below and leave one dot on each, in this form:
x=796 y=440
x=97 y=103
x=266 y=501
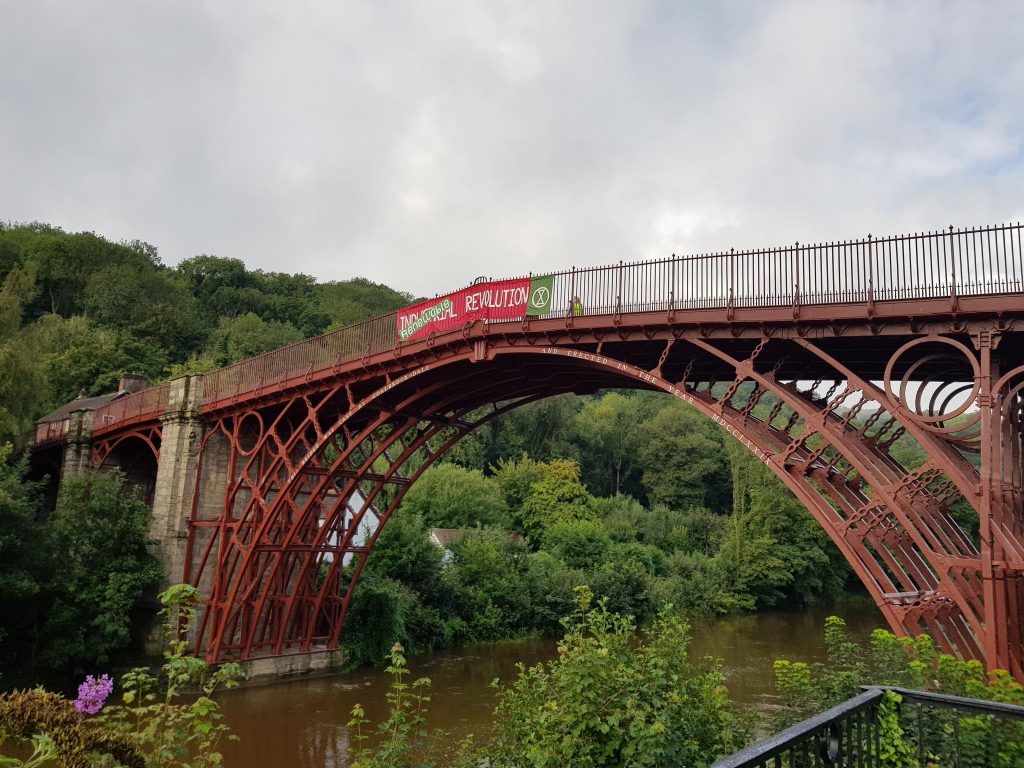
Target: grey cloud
x=422 y=144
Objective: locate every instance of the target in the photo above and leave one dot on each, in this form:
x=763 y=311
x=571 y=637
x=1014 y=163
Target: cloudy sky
x=422 y=144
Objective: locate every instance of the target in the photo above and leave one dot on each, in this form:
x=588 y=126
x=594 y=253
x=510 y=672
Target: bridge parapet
x=145 y=405
x=49 y=432
x=947 y=264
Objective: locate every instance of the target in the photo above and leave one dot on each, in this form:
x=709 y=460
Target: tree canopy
x=76 y=310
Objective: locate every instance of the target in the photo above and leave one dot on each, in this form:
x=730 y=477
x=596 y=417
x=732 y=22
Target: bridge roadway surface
x=817 y=358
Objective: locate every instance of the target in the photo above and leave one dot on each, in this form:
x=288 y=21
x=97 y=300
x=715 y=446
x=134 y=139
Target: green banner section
x=541 y=288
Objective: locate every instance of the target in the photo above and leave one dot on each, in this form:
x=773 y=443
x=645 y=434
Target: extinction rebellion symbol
x=540 y=294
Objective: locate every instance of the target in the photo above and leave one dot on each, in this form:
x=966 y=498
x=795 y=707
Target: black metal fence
x=887 y=726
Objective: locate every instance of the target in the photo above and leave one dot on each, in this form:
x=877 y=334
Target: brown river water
x=302 y=723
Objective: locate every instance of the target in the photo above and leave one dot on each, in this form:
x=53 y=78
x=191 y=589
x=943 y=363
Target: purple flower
x=92 y=693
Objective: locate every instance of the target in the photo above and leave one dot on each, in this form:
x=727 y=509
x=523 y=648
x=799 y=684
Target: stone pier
x=77 y=458
x=177 y=474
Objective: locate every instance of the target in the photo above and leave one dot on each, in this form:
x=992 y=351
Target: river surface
x=302 y=723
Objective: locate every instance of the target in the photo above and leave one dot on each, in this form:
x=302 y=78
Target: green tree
x=580 y=543
x=557 y=496
x=627 y=586
x=77 y=355
x=516 y=477
x=24 y=571
x=406 y=593
x=772 y=547
x=249 y=335
x=699 y=530
x=623 y=516
x=351 y=301
x=376 y=619
x=103 y=575
x=153 y=305
x=449 y=496
x=699 y=585
x=211 y=278
x=683 y=459
x=544 y=430
x=65 y=262
x=609 y=428
x=403 y=552
x=21 y=375
x=485 y=578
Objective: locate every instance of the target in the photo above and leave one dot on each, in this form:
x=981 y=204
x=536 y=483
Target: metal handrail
x=138 y=406
x=945 y=264
x=960 y=703
x=49 y=431
x=817 y=730
x=847 y=734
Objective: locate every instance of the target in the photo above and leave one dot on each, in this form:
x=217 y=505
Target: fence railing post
x=573 y=297
x=796 y=280
x=730 y=309
x=618 y=292
x=672 y=289
x=871 y=277
x=954 y=302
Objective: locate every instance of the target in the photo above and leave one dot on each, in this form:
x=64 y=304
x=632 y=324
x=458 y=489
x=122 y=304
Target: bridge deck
x=976 y=272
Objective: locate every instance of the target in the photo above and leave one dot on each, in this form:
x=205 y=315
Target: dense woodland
x=631 y=493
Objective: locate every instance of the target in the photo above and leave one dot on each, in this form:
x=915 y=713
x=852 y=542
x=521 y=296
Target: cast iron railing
x=934 y=730
x=137 y=406
x=49 y=431
x=947 y=264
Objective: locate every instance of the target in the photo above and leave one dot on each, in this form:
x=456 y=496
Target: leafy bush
x=149 y=729
x=908 y=662
x=402 y=732
x=449 y=496
x=103 y=572
x=609 y=699
x=580 y=543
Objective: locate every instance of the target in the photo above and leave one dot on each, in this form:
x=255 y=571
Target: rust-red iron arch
x=135 y=452
x=105 y=447
x=266 y=605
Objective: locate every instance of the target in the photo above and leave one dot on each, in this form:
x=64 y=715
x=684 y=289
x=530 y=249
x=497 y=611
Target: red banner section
x=499 y=300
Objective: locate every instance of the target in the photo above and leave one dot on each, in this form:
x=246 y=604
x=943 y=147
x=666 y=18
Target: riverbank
x=302 y=723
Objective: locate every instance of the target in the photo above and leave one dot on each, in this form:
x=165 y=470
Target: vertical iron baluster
x=572 y=292
x=703 y=292
x=732 y=277
x=993 y=752
x=870 y=276
x=1019 y=261
x=1004 y=284
x=956 y=737
x=934 y=267
x=920 y=734
x=877 y=744
x=918 y=271
x=672 y=285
